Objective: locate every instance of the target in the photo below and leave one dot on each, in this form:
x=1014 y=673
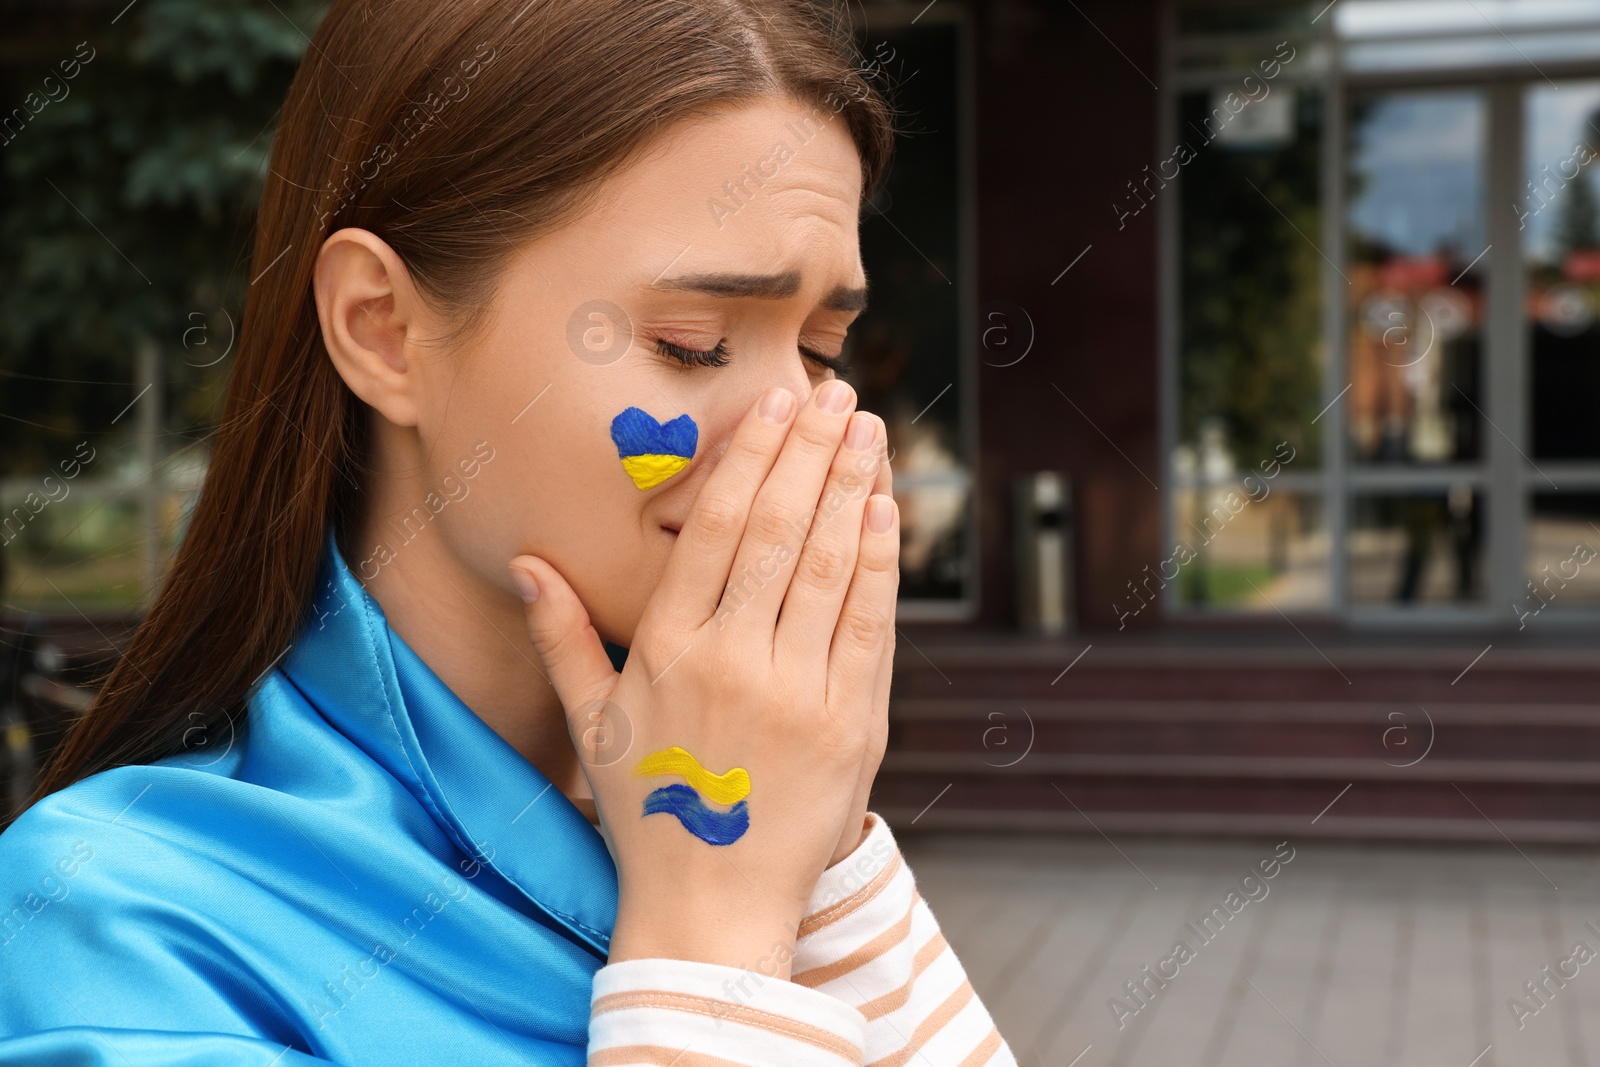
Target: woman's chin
x=618 y=620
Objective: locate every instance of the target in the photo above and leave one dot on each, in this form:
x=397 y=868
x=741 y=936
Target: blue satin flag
x=364 y=873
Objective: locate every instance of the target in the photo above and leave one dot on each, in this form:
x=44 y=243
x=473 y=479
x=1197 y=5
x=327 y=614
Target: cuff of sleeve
x=854 y=880
x=721 y=1010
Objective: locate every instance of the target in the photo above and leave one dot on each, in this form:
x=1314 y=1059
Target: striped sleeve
x=870 y=940
x=685 y=1013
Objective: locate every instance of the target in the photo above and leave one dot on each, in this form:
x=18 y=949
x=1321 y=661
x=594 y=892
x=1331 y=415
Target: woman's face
x=736 y=234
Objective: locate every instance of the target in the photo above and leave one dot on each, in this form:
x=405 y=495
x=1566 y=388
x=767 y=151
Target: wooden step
x=1359 y=736
x=1400 y=668
x=1488 y=809
x=1392 y=733
x=1274 y=768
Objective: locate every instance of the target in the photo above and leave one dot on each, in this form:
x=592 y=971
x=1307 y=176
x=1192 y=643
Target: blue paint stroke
x=637 y=433
x=712 y=827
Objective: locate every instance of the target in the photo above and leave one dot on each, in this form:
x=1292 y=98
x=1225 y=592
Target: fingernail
x=880 y=513
x=777 y=404
x=526 y=585
x=858 y=436
x=834 y=396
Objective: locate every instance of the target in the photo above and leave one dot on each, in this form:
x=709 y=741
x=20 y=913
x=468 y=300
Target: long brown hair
x=454 y=130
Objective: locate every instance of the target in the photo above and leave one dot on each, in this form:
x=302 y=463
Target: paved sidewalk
x=1357 y=954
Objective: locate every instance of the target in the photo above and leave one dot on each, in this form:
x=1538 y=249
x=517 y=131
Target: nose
x=795 y=379
x=716 y=436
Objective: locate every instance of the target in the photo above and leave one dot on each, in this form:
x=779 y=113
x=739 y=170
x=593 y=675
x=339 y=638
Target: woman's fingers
x=828 y=559
x=884 y=483
x=697 y=569
x=574 y=658
x=880 y=690
x=780 y=517
x=867 y=618
x=879 y=732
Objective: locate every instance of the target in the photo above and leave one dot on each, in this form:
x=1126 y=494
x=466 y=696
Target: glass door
x=1393 y=269
x=1558 y=218
x=1416 y=484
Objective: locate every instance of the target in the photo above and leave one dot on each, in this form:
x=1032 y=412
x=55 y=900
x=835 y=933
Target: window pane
x=1254 y=549
x=1563 y=540
x=1393 y=35
x=1406 y=548
x=933 y=541
x=1202 y=19
x=1414 y=228
x=1250 y=349
x=1560 y=215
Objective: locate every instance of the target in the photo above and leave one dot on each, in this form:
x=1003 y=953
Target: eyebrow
x=763 y=286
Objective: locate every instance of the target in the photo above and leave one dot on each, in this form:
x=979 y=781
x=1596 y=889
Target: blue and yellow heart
x=653 y=451
x=711 y=825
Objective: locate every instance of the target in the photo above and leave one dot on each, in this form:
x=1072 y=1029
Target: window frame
x=1507 y=479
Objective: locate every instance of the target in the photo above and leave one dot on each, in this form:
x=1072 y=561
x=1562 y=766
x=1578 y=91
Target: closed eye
x=833 y=363
x=690 y=357
x=719 y=356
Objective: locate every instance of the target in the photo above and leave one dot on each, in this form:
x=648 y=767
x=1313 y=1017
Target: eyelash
x=718 y=357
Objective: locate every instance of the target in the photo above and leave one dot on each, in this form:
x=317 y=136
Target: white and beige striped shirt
x=873 y=984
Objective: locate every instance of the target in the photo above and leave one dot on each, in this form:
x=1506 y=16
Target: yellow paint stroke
x=651 y=469
x=729 y=788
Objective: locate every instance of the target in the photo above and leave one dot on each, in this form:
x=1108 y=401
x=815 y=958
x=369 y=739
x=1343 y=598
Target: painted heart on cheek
x=653 y=451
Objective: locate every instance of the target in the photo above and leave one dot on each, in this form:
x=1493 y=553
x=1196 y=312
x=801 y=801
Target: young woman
x=519 y=686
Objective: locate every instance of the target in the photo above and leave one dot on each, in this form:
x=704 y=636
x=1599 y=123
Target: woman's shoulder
x=118 y=931
x=169 y=892
x=170 y=796
x=147 y=817
x=168 y=818
x=103 y=887
x=182 y=840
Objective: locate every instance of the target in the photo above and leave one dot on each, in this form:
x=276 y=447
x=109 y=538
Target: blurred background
x=1242 y=363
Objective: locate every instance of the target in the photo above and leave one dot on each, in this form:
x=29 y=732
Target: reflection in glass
x=1249 y=547
x=1562 y=570
x=1279 y=18
x=1406 y=548
x=905 y=351
x=933 y=542
x=1415 y=228
x=1560 y=218
x=1250 y=284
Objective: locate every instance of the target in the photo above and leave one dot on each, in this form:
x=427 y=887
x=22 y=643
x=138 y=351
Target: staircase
x=1205 y=732
x=1238 y=734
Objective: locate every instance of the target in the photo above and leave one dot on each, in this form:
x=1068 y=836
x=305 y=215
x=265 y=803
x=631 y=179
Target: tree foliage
x=1252 y=288
x=127 y=197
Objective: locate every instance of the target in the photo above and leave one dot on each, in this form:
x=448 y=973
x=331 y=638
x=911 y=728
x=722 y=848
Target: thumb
x=559 y=627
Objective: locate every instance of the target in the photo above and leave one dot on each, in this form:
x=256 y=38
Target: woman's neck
x=473 y=634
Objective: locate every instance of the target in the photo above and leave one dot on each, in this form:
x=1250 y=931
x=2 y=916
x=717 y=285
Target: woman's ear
x=366 y=305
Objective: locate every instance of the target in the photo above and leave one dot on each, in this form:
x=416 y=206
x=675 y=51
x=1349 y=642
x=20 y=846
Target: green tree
x=126 y=206
x=1578 y=224
x=1251 y=288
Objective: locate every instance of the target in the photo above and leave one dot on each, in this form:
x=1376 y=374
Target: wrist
x=712 y=931
x=866 y=869
x=849 y=843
